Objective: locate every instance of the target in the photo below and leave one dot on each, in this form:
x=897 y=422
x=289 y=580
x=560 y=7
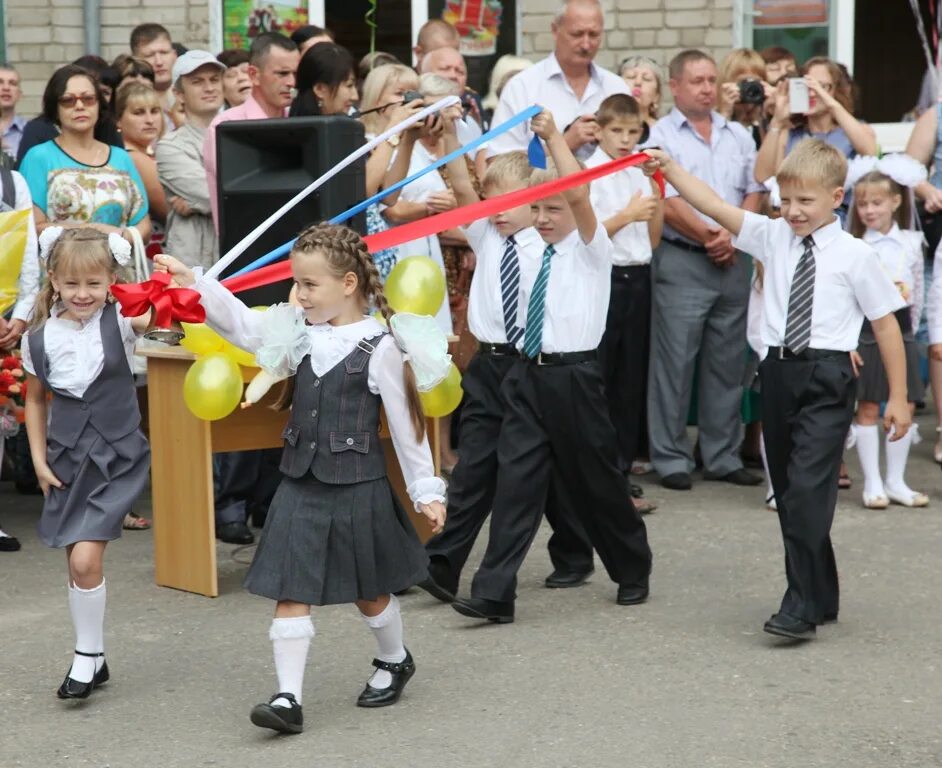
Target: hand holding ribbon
x=169 y=304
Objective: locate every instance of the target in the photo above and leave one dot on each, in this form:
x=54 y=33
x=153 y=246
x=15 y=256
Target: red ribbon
x=170 y=304
x=454 y=218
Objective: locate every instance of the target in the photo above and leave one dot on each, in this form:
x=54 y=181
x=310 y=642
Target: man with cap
x=197 y=85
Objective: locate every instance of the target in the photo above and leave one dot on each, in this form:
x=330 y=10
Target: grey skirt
x=873 y=386
x=102 y=480
x=329 y=544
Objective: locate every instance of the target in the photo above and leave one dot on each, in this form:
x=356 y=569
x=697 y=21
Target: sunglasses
x=69 y=101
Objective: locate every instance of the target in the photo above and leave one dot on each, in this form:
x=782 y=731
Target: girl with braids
x=333 y=534
x=91 y=458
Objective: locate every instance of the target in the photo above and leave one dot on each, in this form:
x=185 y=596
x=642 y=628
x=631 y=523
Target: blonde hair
x=739 y=62
x=133 y=93
x=542 y=175
x=508 y=167
x=505 y=67
x=434 y=86
x=377 y=81
x=344 y=251
x=81 y=250
x=813 y=161
x=903 y=214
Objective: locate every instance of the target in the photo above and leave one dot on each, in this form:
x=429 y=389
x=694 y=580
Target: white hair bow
x=120 y=248
x=903 y=169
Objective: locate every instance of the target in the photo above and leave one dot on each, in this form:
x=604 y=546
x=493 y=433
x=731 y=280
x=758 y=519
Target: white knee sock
x=87 y=607
x=290 y=640
x=387 y=629
x=868 y=449
x=770 y=492
x=897 y=454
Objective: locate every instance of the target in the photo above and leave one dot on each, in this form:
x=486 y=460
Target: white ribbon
x=252 y=236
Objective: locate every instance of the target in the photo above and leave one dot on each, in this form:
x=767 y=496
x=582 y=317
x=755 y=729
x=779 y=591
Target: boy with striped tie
x=820 y=282
x=557 y=426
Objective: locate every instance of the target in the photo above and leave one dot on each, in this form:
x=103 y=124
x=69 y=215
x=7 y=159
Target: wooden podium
x=182 y=448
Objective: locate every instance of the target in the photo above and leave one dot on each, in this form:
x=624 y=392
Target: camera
x=411 y=96
x=751 y=92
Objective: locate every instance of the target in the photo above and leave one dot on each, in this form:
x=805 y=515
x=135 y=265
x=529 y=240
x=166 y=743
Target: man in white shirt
x=700 y=289
x=11 y=124
x=567 y=83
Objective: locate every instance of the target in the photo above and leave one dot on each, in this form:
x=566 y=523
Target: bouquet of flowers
x=12 y=394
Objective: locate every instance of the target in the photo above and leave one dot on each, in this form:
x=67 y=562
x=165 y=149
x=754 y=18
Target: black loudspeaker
x=261 y=164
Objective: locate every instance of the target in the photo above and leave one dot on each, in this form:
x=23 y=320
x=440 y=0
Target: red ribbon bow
x=170 y=304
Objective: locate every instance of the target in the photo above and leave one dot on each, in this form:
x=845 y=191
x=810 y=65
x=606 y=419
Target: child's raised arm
x=458 y=168
x=695 y=191
x=566 y=165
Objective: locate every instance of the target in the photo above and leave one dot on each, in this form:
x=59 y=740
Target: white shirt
x=418 y=192
x=545 y=84
x=329 y=345
x=75 y=351
x=849 y=283
x=485 y=304
x=610 y=195
x=901 y=257
x=28 y=283
x=755 y=316
x=726 y=164
x=576 y=304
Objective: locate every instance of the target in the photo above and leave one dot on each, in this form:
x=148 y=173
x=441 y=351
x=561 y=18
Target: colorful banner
x=244 y=20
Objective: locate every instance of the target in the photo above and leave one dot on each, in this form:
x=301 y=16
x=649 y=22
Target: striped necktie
x=801 y=301
x=510 y=290
x=533 y=338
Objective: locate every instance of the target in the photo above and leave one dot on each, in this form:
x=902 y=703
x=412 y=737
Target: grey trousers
x=698 y=318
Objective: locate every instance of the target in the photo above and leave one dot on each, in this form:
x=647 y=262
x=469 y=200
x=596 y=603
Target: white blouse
x=75 y=351
x=329 y=345
x=902 y=260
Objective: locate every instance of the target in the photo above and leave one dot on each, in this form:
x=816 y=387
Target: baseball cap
x=191 y=61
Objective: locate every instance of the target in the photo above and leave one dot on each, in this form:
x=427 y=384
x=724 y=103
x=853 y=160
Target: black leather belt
x=497 y=349
x=784 y=353
x=563 y=358
x=686 y=246
x=627 y=270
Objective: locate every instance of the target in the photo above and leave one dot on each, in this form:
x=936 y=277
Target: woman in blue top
x=76 y=180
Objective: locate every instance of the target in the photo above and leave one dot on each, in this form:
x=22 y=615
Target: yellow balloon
x=13 y=230
x=200 y=339
x=239 y=355
x=444 y=397
x=417 y=285
x=212 y=387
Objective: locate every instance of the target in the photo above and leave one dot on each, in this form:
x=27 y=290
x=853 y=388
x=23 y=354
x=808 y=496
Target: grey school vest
x=110 y=402
x=333 y=430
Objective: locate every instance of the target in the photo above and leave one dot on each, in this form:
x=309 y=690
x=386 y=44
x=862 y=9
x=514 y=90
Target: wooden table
x=182 y=448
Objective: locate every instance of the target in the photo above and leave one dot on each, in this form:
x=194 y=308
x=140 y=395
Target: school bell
x=171 y=336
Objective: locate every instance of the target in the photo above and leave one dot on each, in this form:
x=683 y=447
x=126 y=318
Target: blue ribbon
x=536 y=155
x=529 y=112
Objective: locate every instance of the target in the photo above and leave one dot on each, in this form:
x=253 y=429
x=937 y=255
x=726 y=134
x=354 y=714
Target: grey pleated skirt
x=102 y=480
x=329 y=544
x=873 y=386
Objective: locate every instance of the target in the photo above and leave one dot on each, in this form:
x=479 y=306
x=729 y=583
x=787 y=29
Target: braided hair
x=344 y=251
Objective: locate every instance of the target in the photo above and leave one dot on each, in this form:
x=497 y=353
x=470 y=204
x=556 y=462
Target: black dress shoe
x=783 y=625
x=382 y=697
x=830 y=618
x=234 y=533
x=565 y=579
x=677 y=481
x=632 y=594
x=736 y=477
x=9 y=543
x=637 y=492
x=281 y=719
x=479 y=608
x=441 y=583
x=73 y=689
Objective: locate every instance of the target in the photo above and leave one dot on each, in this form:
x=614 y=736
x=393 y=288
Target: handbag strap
x=142 y=268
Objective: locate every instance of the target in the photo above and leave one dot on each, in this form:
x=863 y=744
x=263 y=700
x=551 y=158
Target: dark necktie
x=533 y=338
x=510 y=290
x=801 y=301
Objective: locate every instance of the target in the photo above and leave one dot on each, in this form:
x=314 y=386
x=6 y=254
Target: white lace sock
x=290 y=640
x=897 y=454
x=387 y=629
x=87 y=607
x=868 y=449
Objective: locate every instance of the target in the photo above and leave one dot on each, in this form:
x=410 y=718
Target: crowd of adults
x=129 y=146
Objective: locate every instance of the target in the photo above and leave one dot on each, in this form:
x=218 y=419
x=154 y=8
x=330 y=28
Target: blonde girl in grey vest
x=91 y=458
x=333 y=533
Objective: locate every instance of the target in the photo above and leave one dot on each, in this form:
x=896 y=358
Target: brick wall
x=42 y=35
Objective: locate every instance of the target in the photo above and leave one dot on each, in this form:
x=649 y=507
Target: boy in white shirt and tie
x=557 y=420
x=820 y=283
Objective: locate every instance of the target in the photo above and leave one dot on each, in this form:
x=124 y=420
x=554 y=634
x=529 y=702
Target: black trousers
x=623 y=358
x=557 y=421
x=807 y=407
x=244 y=482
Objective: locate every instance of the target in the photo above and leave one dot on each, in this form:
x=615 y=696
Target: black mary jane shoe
x=281 y=719
x=73 y=689
x=382 y=697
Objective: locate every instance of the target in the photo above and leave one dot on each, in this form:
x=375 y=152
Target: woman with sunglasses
x=76 y=180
